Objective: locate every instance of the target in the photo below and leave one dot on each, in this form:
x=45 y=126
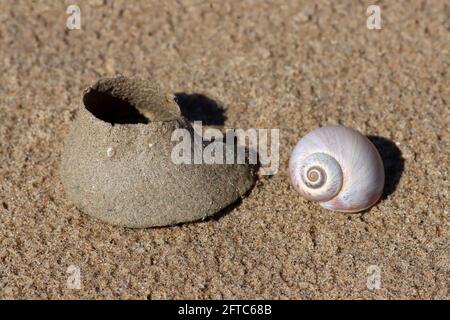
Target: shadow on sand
x=393 y=162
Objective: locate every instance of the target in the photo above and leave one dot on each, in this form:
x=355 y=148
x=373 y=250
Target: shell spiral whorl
x=320 y=177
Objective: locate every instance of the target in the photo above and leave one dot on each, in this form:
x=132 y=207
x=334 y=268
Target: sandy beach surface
x=287 y=65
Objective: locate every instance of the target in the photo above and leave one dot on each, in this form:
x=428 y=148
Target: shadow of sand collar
x=198 y=107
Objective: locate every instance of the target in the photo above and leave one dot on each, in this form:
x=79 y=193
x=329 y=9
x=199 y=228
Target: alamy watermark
x=74 y=279
x=74 y=20
x=374 y=277
x=374 y=19
x=236 y=146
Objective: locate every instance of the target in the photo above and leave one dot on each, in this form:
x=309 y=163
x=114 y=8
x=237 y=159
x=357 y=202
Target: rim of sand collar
x=123 y=100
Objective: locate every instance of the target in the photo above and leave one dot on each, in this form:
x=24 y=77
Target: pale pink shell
x=362 y=170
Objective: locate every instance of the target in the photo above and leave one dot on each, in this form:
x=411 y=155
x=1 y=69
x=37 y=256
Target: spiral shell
x=337 y=167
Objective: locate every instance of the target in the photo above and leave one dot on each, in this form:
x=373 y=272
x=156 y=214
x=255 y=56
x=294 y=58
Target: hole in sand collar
x=109 y=108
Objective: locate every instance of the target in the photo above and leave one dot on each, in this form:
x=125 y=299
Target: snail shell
x=337 y=167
